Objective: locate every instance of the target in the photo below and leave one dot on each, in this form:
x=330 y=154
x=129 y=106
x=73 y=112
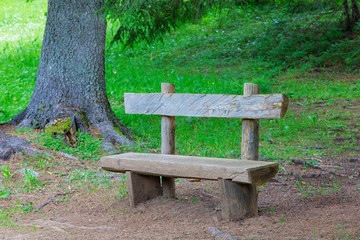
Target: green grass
x=5 y=172
x=87 y=148
x=30 y=180
x=21 y=31
x=283 y=52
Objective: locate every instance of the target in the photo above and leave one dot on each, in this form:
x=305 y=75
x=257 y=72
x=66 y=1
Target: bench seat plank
x=242 y=171
x=258 y=106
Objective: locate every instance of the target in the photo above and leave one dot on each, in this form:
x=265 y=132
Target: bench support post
x=168 y=142
x=238 y=201
x=142 y=187
x=250 y=129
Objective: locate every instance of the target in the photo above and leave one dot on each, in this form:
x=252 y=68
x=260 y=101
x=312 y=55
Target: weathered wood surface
x=242 y=171
x=142 y=188
x=244 y=196
x=250 y=129
x=208 y=105
x=237 y=200
x=168 y=142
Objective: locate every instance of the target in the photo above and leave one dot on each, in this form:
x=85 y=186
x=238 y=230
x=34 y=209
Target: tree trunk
x=352 y=15
x=355 y=12
x=71 y=74
x=347 y=23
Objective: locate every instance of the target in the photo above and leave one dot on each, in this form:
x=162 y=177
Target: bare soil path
x=283 y=213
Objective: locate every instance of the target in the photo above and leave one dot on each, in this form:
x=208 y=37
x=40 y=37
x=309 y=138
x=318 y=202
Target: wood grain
x=242 y=171
x=250 y=129
x=237 y=200
x=208 y=105
x=142 y=188
x=168 y=142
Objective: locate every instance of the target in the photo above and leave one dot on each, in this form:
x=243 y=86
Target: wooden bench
x=151 y=175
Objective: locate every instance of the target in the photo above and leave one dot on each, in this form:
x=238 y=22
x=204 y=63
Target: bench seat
x=241 y=171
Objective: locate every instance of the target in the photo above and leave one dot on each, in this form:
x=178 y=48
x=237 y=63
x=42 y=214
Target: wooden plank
x=237 y=200
x=168 y=142
x=212 y=105
x=243 y=171
x=142 y=188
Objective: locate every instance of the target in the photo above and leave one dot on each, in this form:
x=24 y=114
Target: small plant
x=27 y=207
x=302 y=189
x=39 y=161
x=272 y=211
x=4 y=193
x=5 y=218
x=336 y=186
x=282 y=219
x=44 y=162
x=122 y=191
x=194 y=200
x=5 y=172
x=30 y=180
x=342 y=233
x=261 y=187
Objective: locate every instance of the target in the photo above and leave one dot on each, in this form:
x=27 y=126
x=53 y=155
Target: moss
x=59 y=126
x=118 y=131
x=84 y=118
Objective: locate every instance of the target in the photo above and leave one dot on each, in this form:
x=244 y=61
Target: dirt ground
x=283 y=213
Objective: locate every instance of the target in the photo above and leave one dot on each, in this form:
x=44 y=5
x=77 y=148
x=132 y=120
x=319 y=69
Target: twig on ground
x=305 y=163
x=278 y=182
x=311 y=175
x=51 y=198
x=208 y=194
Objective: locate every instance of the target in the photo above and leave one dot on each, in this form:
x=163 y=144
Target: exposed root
x=109 y=133
x=219 y=234
x=101 y=124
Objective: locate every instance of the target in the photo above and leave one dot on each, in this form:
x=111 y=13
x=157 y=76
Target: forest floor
x=75 y=199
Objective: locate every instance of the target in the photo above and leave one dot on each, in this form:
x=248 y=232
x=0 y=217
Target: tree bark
x=71 y=73
x=347 y=23
x=355 y=12
x=351 y=14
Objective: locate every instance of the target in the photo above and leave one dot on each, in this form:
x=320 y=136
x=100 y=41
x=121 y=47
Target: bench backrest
x=250 y=107
x=269 y=106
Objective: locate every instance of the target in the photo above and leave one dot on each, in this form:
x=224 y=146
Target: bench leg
x=142 y=187
x=237 y=200
x=168 y=187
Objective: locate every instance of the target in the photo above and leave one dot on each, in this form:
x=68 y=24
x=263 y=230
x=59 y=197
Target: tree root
x=102 y=124
x=219 y=234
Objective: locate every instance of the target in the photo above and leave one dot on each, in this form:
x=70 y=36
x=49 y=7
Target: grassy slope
x=261 y=46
